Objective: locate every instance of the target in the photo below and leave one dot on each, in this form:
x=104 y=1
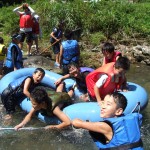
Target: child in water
x=114 y=132
x=49 y=102
x=19 y=89
x=110 y=55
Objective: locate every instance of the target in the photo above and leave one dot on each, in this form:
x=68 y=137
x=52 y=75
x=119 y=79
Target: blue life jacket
x=126 y=133
x=70 y=52
x=81 y=82
x=18 y=62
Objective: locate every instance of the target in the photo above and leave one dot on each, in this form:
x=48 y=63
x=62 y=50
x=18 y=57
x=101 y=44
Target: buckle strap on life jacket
x=126 y=147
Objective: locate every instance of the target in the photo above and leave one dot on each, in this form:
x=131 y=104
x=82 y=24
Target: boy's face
x=107 y=55
x=37 y=77
x=109 y=108
x=119 y=71
x=73 y=71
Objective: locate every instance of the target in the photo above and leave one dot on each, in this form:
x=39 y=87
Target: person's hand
x=17 y=127
x=58 y=81
x=76 y=121
x=100 y=103
x=50 y=127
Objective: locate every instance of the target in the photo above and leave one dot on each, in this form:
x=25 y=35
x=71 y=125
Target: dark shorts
x=56 y=48
x=34 y=36
x=27 y=35
x=65 y=69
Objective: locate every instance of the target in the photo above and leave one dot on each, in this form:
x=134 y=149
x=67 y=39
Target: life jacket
x=70 y=52
x=2 y=55
x=18 y=62
x=124 y=138
x=25 y=21
x=56 y=98
x=81 y=82
x=109 y=86
x=18 y=82
x=113 y=59
x=35 y=27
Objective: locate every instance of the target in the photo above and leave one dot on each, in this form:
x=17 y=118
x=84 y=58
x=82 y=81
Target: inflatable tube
x=84 y=110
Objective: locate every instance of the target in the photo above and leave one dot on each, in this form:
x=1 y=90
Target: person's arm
x=100 y=127
x=62 y=116
x=98 y=85
x=117 y=58
x=124 y=85
x=60 y=55
x=103 y=63
x=4 y=50
x=62 y=78
x=53 y=35
x=14 y=56
x=40 y=32
x=16 y=10
x=32 y=11
x=27 y=84
x=26 y=119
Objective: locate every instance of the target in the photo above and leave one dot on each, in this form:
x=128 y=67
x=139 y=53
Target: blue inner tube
x=136 y=96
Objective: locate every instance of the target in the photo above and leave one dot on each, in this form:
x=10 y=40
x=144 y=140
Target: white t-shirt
x=102 y=79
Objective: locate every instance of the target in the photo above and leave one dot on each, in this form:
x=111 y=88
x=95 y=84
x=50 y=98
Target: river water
x=69 y=139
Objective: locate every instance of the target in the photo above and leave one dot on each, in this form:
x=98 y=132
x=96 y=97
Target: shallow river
x=69 y=139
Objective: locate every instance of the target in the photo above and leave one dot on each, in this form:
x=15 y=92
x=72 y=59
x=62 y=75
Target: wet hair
x=39 y=94
x=122 y=62
x=68 y=34
x=72 y=64
x=120 y=100
x=1 y=40
x=40 y=69
x=108 y=47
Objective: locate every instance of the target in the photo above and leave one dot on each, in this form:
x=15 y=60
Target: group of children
x=98 y=85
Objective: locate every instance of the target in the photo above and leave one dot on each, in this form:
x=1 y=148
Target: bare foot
x=7 y=119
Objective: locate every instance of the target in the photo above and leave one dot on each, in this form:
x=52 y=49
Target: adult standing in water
x=25 y=25
x=14 y=55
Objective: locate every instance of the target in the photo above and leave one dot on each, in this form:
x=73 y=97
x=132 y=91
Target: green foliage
x=96 y=38
x=9 y=20
x=104 y=19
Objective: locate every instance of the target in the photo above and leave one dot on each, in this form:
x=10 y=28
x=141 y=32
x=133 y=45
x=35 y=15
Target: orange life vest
x=112 y=83
x=25 y=21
